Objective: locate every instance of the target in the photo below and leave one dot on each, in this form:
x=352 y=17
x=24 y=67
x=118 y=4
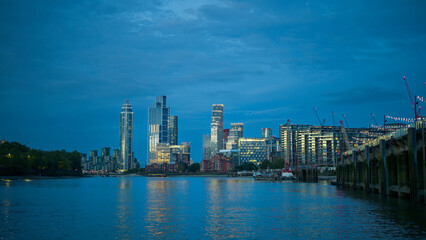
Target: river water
x=199 y=208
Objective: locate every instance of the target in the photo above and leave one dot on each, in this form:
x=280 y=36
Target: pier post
x=424 y=162
x=343 y=169
x=367 y=160
x=385 y=168
x=355 y=172
x=412 y=162
x=398 y=174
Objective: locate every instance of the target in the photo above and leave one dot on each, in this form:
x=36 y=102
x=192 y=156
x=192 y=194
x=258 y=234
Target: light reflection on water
x=124 y=208
x=199 y=208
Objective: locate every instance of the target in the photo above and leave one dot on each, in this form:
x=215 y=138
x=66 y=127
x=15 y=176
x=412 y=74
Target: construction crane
x=345 y=135
x=333 y=118
x=316 y=114
x=409 y=93
x=344 y=117
x=413 y=104
x=374 y=119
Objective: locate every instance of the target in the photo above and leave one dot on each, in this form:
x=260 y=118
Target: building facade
x=225 y=137
x=293 y=142
x=218 y=163
x=158 y=126
x=252 y=150
x=236 y=132
x=181 y=153
x=173 y=130
x=274 y=147
x=320 y=145
x=162 y=153
x=126 y=137
x=216 y=128
x=103 y=163
x=206 y=146
x=266 y=132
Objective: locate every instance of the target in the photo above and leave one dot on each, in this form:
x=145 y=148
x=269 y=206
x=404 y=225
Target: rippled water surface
x=199 y=208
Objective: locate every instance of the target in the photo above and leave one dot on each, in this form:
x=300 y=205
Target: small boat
x=287 y=175
x=260 y=175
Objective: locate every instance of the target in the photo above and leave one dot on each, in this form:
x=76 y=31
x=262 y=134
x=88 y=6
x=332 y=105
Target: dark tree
x=195 y=167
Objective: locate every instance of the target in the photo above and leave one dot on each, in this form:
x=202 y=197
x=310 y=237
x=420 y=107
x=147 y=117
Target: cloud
x=363 y=95
x=259 y=58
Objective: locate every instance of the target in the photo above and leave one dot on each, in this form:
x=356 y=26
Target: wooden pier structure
x=392 y=165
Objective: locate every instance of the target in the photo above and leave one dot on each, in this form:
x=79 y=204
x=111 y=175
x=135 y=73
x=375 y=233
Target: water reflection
x=6 y=220
x=160 y=209
x=200 y=208
x=124 y=208
x=384 y=212
x=226 y=209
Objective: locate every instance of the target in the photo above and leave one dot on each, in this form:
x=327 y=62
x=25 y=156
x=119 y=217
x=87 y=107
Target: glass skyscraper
x=158 y=126
x=173 y=130
x=216 y=136
x=266 y=133
x=236 y=132
x=126 y=137
x=206 y=147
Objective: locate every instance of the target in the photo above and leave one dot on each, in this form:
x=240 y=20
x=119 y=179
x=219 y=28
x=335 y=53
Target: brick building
x=218 y=163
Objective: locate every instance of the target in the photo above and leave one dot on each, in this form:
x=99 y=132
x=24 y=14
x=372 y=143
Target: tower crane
x=413 y=104
x=344 y=117
x=316 y=114
x=315 y=111
x=333 y=118
x=374 y=119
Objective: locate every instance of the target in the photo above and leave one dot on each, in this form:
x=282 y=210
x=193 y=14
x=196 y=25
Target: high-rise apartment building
x=216 y=136
x=181 y=153
x=126 y=137
x=116 y=158
x=206 y=147
x=319 y=145
x=293 y=143
x=225 y=137
x=236 y=132
x=266 y=133
x=105 y=151
x=158 y=126
x=162 y=153
x=173 y=130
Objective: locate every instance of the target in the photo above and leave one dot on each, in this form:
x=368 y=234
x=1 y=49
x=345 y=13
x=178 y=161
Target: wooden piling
x=385 y=169
x=412 y=161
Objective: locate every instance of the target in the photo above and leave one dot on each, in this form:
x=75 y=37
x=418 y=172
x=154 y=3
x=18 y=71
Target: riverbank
x=35 y=177
x=188 y=174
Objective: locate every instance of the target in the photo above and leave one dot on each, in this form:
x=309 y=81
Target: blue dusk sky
x=66 y=67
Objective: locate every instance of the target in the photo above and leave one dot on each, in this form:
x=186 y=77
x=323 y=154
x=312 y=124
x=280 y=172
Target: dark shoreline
x=34 y=177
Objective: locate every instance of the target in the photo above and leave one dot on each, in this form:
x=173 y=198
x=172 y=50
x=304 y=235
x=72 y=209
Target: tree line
x=276 y=163
x=18 y=159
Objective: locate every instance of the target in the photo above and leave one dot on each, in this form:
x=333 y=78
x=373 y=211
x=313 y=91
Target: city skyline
x=68 y=67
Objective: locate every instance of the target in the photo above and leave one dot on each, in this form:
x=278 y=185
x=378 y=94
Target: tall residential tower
x=236 y=132
x=158 y=126
x=126 y=137
x=173 y=130
x=216 y=136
